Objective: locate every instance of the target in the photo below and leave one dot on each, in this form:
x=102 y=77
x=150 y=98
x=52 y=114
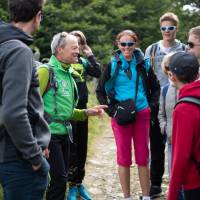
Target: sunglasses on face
x=168 y=28
x=191 y=45
x=129 y=44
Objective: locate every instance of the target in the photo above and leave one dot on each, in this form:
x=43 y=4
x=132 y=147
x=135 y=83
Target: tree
x=100 y=20
x=188 y=17
x=3 y=10
x=146 y=18
x=189 y=2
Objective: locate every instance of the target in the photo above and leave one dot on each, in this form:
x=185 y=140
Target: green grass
x=1 y=193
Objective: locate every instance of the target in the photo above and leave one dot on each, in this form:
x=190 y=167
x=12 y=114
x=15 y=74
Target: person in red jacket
x=183 y=72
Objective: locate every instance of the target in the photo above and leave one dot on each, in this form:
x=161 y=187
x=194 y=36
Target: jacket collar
x=137 y=54
x=57 y=64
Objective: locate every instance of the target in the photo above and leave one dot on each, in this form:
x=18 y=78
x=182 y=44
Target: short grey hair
x=60 y=40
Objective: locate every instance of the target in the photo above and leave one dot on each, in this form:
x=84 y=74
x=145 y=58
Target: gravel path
x=101 y=172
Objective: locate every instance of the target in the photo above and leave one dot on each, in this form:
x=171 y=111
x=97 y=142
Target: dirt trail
x=101 y=171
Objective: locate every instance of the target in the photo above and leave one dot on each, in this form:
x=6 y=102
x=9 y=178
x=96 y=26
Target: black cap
x=182 y=63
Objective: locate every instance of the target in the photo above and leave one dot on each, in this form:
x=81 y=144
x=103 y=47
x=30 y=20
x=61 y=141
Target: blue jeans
x=169 y=158
x=19 y=181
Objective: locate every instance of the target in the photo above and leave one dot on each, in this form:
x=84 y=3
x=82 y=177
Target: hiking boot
x=72 y=193
x=155 y=191
x=83 y=193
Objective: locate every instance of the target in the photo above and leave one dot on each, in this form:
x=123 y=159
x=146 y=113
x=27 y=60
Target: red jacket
x=185 y=143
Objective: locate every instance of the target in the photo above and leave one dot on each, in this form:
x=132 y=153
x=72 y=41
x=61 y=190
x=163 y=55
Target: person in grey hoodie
x=24 y=134
x=168 y=99
x=169 y=24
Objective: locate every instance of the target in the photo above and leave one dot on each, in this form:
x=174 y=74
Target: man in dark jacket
x=24 y=134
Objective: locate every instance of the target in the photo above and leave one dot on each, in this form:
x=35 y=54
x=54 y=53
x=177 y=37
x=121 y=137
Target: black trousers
x=157 y=148
x=78 y=150
x=59 y=165
x=192 y=194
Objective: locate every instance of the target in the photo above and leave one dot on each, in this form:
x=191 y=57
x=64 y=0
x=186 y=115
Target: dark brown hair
x=24 y=10
x=129 y=33
x=80 y=35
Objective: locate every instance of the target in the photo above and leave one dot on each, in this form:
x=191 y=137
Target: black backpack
x=195 y=101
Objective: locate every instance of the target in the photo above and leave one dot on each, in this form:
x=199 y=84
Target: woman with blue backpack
x=130 y=89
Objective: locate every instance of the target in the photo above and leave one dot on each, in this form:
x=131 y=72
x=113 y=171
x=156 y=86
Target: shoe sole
x=156 y=196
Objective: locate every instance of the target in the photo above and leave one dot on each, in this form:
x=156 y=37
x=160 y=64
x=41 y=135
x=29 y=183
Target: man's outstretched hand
x=96 y=110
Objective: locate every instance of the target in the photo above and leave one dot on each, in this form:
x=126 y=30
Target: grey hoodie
x=166 y=108
x=158 y=58
x=23 y=131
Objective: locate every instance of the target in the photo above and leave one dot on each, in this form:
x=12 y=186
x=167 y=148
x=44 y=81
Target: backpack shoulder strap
x=164 y=90
x=183 y=46
x=117 y=67
x=113 y=77
x=193 y=100
x=152 y=53
x=52 y=83
x=164 y=93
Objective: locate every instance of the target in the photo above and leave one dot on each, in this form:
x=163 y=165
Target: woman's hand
x=86 y=50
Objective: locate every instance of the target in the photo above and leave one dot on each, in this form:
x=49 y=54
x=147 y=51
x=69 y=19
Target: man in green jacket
x=60 y=96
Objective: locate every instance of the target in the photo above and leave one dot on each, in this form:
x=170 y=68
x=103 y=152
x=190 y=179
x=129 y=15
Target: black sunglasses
x=191 y=45
x=129 y=44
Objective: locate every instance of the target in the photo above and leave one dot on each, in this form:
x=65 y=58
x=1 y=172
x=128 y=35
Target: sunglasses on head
x=191 y=45
x=62 y=35
x=168 y=28
x=129 y=44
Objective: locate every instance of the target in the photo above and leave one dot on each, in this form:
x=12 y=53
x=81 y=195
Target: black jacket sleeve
x=154 y=93
x=94 y=68
x=101 y=93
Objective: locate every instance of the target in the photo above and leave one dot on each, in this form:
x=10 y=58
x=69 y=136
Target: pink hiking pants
x=136 y=132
